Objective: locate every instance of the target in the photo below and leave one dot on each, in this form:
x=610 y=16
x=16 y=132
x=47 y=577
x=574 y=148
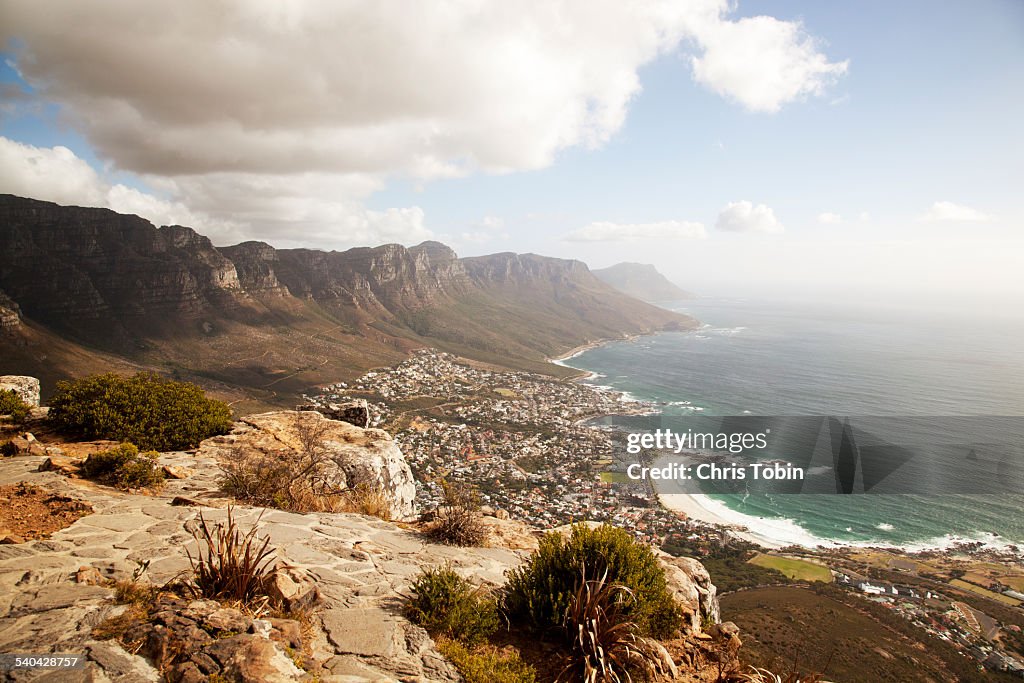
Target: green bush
x=145 y=409
x=12 y=405
x=486 y=664
x=124 y=467
x=446 y=604
x=539 y=592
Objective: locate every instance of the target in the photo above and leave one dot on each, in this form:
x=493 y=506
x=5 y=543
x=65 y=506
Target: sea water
x=763 y=358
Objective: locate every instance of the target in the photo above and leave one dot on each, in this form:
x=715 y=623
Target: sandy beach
x=705 y=509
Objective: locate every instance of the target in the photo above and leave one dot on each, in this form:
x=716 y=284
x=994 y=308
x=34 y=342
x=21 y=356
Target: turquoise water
x=772 y=359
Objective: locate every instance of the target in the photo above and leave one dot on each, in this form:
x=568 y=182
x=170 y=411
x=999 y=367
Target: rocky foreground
x=347 y=573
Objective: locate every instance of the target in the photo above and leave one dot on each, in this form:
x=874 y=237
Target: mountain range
x=88 y=289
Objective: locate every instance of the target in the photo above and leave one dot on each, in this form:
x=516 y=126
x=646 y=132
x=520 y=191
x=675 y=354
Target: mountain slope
x=279 y=320
x=642 y=281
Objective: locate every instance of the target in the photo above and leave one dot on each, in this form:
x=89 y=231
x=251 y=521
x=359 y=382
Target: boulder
x=58 y=464
x=227 y=619
x=252 y=659
x=292 y=588
x=26 y=387
x=355 y=412
x=27 y=445
x=726 y=630
x=690 y=584
x=176 y=472
x=348 y=456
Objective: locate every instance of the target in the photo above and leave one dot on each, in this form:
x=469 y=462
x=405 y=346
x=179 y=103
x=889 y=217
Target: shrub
x=458 y=520
x=447 y=605
x=486 y=664
x=144 y=409
x=124 y=467
x=228 y=564
x=262 y=479
x=539 y=592
x=605 y=644
x=12 y=406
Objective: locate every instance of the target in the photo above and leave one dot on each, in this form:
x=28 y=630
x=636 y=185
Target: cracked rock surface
x=53 y=592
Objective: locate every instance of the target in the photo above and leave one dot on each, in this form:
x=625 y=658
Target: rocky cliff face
x=10 y=314
x=92 y=270
x=117 y=283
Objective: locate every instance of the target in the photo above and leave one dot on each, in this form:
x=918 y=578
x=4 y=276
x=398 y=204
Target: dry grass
x=368 y=500
x=458 y=520
x=115 y=628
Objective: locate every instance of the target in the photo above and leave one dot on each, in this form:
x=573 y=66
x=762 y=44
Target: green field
x=798 y=570
x=615 y=478
x=998 y=597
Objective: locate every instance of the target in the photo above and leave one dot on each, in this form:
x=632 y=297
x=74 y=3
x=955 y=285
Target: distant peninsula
x=641 y=281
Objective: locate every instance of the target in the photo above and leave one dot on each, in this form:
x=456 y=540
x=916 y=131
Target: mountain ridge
x=277 y=320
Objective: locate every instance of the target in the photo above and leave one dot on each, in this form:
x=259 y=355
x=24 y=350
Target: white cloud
x=762 y=62
x=604 y=231
x=251 y=103
x=954 y=213
x=488 y=229
x=229 y=208
x=56 y=174
x=828 y=218
x=743 y=216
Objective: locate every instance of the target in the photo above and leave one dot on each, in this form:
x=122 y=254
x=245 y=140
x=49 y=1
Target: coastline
x=693 y=506
x=700 y=507
x=696 y=507
x=583 y=348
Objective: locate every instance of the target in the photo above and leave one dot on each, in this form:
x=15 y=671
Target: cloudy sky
x=864 y=147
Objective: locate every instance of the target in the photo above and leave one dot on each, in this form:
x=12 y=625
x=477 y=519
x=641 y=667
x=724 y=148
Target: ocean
x=763 y=358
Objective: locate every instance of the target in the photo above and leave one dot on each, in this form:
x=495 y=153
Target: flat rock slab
x=370 y=632
x=122 y=522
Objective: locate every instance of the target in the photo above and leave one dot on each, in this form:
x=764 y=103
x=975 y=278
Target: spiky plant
x=606 y=645
x=229 y=564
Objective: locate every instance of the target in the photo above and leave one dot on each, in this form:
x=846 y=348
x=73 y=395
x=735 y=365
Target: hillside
x=84 y=288
x=642 y=281
x=850 y=639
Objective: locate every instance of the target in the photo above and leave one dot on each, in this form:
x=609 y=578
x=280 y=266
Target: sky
x=866 y=149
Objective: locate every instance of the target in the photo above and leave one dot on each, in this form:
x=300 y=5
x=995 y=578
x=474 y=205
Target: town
x=530 y=446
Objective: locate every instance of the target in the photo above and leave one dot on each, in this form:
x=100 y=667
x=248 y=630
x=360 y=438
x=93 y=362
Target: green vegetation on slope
x=145 y=410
